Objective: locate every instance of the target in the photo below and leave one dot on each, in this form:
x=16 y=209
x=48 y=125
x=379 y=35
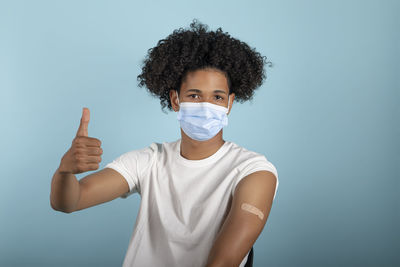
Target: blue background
x=327 y=117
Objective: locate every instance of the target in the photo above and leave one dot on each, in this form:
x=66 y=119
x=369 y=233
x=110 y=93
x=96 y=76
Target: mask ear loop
x=178 y=96
x=228 y=105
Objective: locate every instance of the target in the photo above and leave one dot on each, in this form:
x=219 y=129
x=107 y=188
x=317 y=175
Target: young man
x=204 y=200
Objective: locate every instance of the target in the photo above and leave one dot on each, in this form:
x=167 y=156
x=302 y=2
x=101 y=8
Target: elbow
x=53 y=206
x=56 y=208
x=63 y=210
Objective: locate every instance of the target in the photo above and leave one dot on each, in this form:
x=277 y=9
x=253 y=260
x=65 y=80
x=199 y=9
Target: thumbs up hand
x=85 y=152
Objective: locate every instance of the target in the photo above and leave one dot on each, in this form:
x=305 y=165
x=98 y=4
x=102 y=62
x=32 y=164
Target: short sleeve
x=258 y=163
x=132 y=166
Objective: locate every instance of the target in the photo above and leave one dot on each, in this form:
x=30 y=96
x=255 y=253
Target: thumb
x=83 y=127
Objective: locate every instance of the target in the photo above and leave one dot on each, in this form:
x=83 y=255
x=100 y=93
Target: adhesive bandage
x=252 y=209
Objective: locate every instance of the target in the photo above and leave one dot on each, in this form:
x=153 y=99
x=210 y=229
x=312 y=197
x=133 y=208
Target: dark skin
x=69 y=195
x=240 y=228
x=211 y=86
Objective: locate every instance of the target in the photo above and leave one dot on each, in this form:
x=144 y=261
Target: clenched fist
x=85 y=152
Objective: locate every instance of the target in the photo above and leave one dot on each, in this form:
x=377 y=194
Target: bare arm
x=249 y=212
x=67 y=193
x=101 y=187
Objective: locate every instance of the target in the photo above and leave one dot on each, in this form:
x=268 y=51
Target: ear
x=231 y=98
x=173 y=96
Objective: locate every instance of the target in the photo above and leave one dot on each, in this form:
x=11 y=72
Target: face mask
x=202 y=120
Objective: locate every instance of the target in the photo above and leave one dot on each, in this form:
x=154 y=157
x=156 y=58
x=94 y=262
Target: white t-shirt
x=183 y=202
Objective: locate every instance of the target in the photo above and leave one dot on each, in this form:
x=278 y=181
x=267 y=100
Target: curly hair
x=166 y=65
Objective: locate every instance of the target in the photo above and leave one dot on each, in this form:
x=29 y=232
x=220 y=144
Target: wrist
x=63 y=168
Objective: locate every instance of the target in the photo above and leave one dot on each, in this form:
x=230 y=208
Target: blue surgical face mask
x=202 y=120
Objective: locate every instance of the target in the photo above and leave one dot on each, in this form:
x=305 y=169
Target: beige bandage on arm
x=252 y=209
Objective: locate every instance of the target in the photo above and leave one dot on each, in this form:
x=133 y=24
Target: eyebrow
x=199 y=91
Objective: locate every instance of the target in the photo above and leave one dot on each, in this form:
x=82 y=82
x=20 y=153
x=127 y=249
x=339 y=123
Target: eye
x=219 y=97
x=193 y=95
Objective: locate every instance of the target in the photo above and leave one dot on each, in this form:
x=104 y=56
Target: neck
x=197 y=150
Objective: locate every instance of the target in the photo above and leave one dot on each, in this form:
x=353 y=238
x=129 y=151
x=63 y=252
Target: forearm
x=219 y=259
x=216 y=263
x=65 y=191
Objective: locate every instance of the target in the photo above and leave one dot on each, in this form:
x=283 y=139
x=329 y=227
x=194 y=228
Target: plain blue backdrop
x=327 y=117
